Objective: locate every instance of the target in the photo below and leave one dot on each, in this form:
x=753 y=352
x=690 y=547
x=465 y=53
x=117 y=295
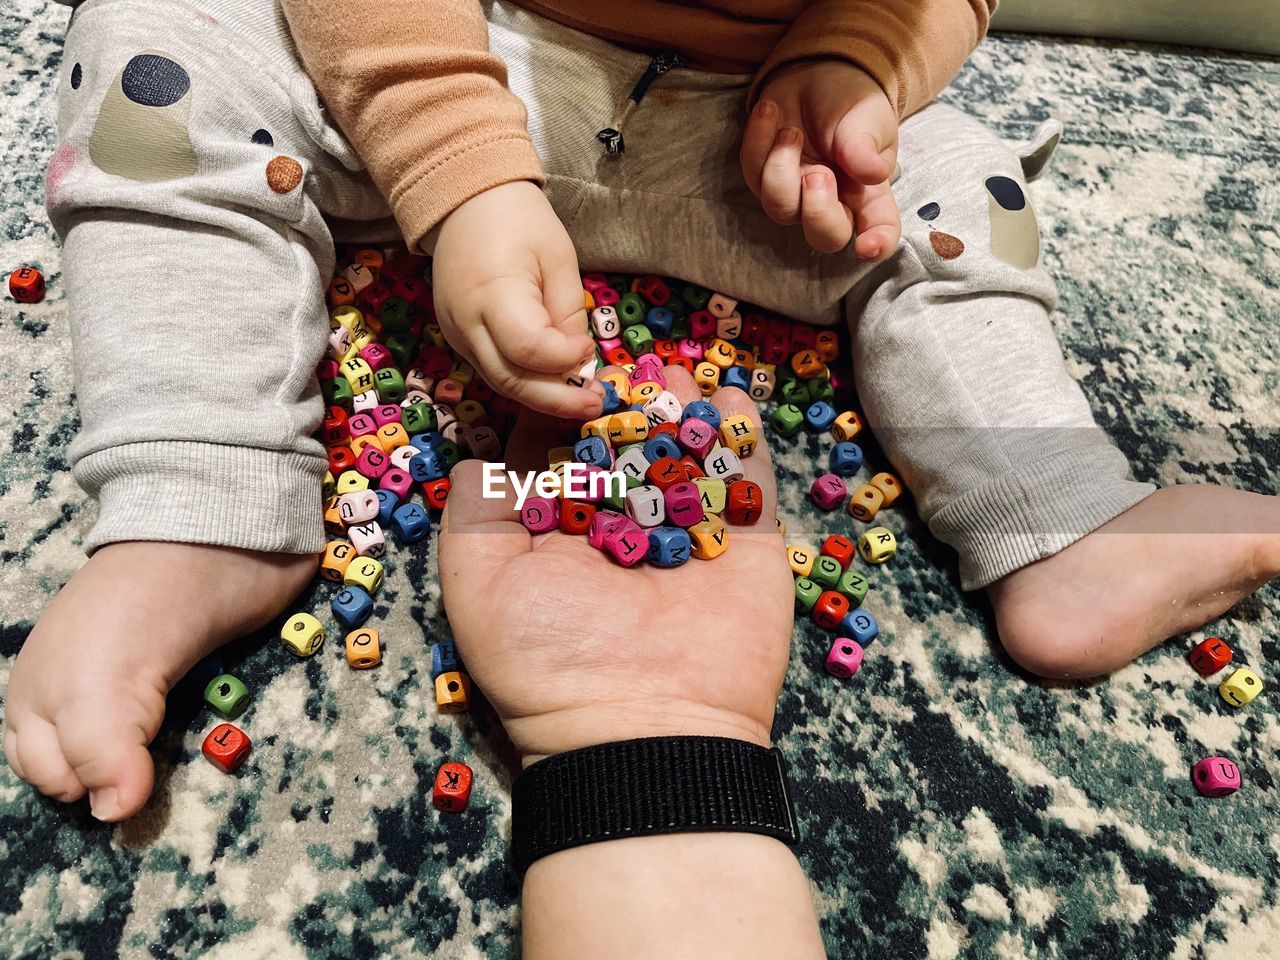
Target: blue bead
x=593 y=450
x=659 y=320
x=739 y=377
x=444 y=658
x=704 y=411
x=669 y=546
x=820 y=415
x=860 y=626
x=387 y=504
x=427 y=465
x=636 y=406
x=845 y=459
x=427 y=441
x=612 y=402
x=411 y=523
x=663 y=445
x=352 y=606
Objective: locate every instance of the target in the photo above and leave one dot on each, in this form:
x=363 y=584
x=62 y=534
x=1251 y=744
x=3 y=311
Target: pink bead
x=591 y=488
x=609 y=345
x=327 y=370
x=387 y=413
x=372 y=462
x=696 y=436
x=602 y=524
x=397 y=481
x=1216 y=777
x=606 y=296
x=828 y=492
x=648 y=369
x=684 y=504
x=361 y=424
x=540 y=514
x=844 y=658
x=702 y=325
x=593 y=281
x=689 y=348
x=627 y=544
x=377 y=356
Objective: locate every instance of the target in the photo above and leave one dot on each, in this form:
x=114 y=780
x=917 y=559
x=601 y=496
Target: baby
x=199 y=186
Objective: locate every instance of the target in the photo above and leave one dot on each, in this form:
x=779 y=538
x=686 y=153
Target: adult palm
x=573 y=650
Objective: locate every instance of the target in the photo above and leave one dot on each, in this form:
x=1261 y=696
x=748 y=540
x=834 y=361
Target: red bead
x=753 y=329
x=830 y=609
x=327 y=370
x=744 y=503
x=409 y=289
x=665 y=473
x=840 y=549
x=226 y=746
x=702 y=325
x=335 y=426
x=619 y=357
x=803 y=337
x=1209 y=656
x=479 y=391
x=682 y=362
x=575 y=516
x=691 y=466
x=666 y=349
x=374 y=296
x=26 y=285
x=436 y=492
x=667 y=427
x=652 y=289
x=341 y=459
x=452 y=787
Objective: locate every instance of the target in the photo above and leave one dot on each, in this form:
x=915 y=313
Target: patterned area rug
x=950 y=807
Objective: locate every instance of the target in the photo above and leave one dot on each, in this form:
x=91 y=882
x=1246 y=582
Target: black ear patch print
x=1015 y=237
x=141 y=131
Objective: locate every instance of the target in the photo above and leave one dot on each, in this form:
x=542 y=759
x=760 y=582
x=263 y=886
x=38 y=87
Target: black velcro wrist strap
x=637 y=788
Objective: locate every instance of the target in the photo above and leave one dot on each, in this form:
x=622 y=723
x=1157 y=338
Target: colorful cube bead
x=762 y=383
x=26 y=284
x=738 y=433
x=1209 y=656
x=444 y=658
x=365 y=573
x=683 y=504
x=665 y=473
x=828 y=492
x=1216 y=777
x=646 y=505
x=843 y=659
x=854 y=586
x=227 y=696
x=702 y=410
x=801 y=561
x=664 y=408
x=452 y=788
x=303 y=634
x=846 y=427
x=662 y=445
x=859 y=626
x=351 y=606
x=628 y=427
x=601 y=525
x=840 y=549
x=831 y=608
x=710 y=538
x=712 y=493
x=1241 y=687
x=744 y=502
x=453 y=692
x=845 y=459
x=364 y=648
x=697 y=436
x=707 y=376
x=888 y=485
x=426 y=466
x=669 y=546
x=807 y=594
x=877 y=545
x=338 y=555
x=411 y=523
x=627 y=543
x=787 y=419
x=633 y=464
x=826 y=572
x=397 y=482
x=540 y=514
x=226 y=747
x=358 y=507
x=575 y=517
x=368 y=538
x=865 y=503
x=723 y=465
x=819 y=416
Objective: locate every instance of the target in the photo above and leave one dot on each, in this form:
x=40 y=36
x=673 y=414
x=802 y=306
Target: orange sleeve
x=415 y=89
x=912 y=47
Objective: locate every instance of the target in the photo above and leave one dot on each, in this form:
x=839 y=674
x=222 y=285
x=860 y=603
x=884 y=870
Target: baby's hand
x=819 y=149
x=509 y=298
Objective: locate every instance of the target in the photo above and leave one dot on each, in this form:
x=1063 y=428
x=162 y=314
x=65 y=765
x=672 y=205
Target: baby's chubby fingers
x=879 y=225
x=527 y=335
x=547 y=393
x=828 y=225
x=757 y=142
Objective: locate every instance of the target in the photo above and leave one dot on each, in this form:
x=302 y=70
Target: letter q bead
x=363 y=648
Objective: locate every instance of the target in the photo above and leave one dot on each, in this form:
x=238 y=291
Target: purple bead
x=843 y=659
x=1216 y=777
x=540 y=514
x=684 y=504
x=828 y=492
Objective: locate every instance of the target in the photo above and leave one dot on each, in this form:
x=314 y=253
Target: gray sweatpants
x=198 y=188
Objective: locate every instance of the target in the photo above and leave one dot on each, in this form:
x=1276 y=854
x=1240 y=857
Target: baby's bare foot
x=1155 y=571
x=87 y=691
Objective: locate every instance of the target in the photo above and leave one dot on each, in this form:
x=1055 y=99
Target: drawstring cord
x=611 y=137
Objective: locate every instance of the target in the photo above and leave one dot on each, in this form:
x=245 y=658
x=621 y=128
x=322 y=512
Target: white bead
x=444 y=415
x=416 y=396
x=401 y=456
x=762 y=384
x=583 y=375
x=339 y=342
x=364 y=402
x=359 y=276
x=633 y=463
x=358 y=507
x=368 y=539
x=415 y=379
x=664 y=408
x=484 y=443
x=646 y=506
x=721 y=306
x=723 y=464
x=730 y=327
x=457 y=431
x=605 y=323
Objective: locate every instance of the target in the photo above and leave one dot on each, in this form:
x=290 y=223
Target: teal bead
x=638 y=340
x=226 y=696
x=404 y=347
x=854 y=586
x=418 y=418
x=395 y=315
x=807 y=594
x=826 y=572
x=389 y=382
x=787 y=419
x=696 y=297
x=794 y=392
x=820 y=390
x=450 y=453
x=631 y=309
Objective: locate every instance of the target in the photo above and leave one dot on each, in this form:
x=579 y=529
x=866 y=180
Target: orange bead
x=865 y=503
x=888 y=485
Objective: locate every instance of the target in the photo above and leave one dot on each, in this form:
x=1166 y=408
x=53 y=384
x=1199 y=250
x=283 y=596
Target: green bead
x=616 y=503
x=680 y=329
x=807 y=593
x=854 y=586
x=418 y=418
x=620 y=282
x=227 y=696
x=826 y=572
x=679 y=309
x=630 y=309
x=820 y=390
x=337 y=393
x=638 y=339
x=695 y=296
x=395 y=315
x=787 y=419
x=450 y=453
x=389 y=382
x=794 y=392
x=404 y=347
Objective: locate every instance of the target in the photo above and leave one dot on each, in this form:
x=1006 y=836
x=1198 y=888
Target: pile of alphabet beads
x=1218 y=776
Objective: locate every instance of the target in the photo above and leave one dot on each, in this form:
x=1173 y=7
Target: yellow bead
x=846 y=426
x=621 y=385
x=807 y=364
x=888 y=485
x=469 y=411
x=721 y=353
x=391 y=436
x=559 y=455
x=358 y=373
x=463 y=372
x=710 y=538
x=347 y=317
x=828 y=346
x=327 y=485
x=362 y=339
x=877 y=545
x=597 y=428
x=351 y=481
x=363 y=648
x=453 y=692
x=364 y=572
x=1241 y=687
x=335 y=560
x=333 y=517
x=865 y=503
x=713 y=494
x=642 y=393
x=738 y=433
x=782 y=525
x=801 y=561
x=303 y=634
x=631 y=426
x=707 y=376
x=358 y=444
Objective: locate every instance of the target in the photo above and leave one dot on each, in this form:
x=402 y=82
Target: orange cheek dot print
x=945 y=245
x=283 y=174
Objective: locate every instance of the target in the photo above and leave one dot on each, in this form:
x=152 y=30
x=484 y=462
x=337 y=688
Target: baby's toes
x=111 y=759
x=35 y=754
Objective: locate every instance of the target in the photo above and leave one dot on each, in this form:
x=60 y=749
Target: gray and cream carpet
x=950 y=807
